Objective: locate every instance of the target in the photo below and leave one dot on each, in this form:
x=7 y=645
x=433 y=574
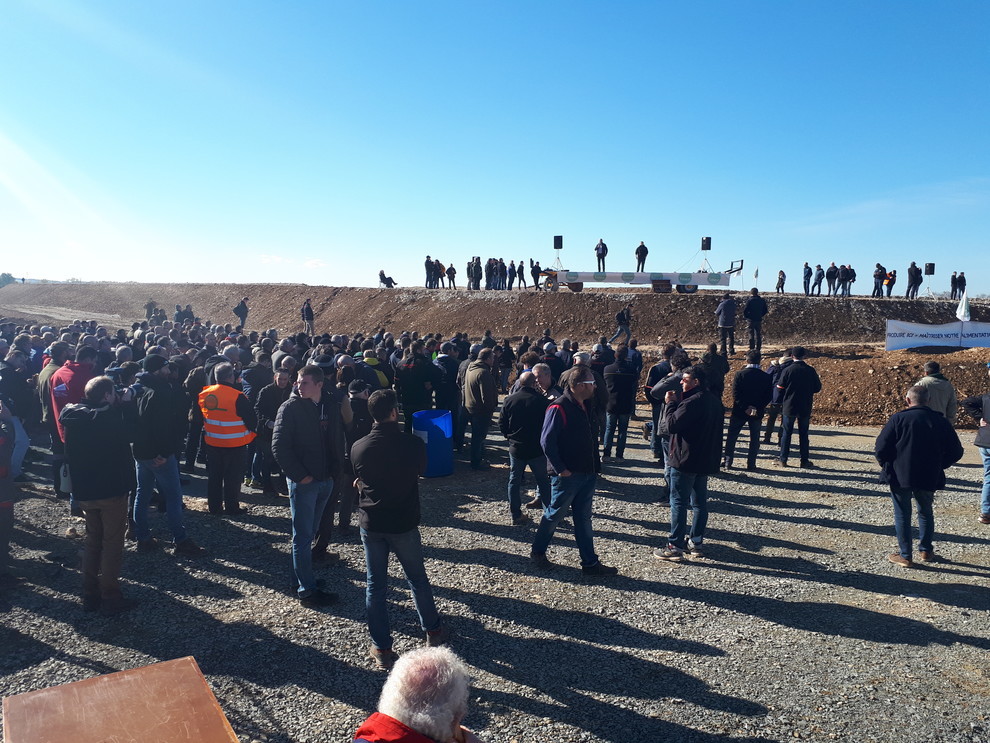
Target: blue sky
x=319 y=142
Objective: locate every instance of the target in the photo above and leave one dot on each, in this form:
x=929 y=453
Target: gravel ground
x=794 y=626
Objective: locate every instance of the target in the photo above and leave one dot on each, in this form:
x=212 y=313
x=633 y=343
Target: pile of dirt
x=862 y=383
x=584 y=316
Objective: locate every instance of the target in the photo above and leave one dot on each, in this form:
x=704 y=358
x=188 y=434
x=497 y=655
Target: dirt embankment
x=584 y=316
x=862 y=383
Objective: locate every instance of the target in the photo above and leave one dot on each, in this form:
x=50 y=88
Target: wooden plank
x=167 y=702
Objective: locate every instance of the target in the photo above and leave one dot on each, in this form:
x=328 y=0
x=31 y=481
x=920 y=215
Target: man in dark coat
x=521 y=422
x=831 y=276
x=751 y=391
x=914 y=449
x=161 y=425
x=621 y=380
x=387 y=465
x=98 y=431
x=415 y=378
x=754 y=312
x=308 y=444
x=241 y=311
x=726 y=315
x=799 y=384
x=694 y=423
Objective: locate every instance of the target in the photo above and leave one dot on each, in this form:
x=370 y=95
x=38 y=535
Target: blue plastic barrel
x=436 y=428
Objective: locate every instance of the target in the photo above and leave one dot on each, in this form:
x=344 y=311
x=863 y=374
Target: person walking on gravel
x=978 y=406
x=568 y=440
x=751 y=391
x=914 y=449
x=693 y=420
x=387 y=465
x=521 y=422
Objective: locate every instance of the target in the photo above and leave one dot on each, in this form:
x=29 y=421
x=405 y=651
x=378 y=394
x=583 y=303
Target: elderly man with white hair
x=424 y=700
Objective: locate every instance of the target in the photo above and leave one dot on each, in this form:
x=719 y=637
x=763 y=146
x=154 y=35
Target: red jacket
x=381 y=728
x=67 y=385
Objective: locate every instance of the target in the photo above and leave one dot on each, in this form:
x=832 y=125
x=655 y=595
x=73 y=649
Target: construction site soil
x=862 y=383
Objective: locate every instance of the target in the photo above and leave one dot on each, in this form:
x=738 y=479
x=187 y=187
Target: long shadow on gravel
x=963 y=595
x=571 y=673
x=812 y=616
x=719 y=506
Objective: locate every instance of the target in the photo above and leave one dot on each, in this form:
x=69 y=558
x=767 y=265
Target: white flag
x=962 y=311
x=756 y=273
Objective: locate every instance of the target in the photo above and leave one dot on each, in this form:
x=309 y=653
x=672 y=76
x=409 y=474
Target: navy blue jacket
x=915 y=447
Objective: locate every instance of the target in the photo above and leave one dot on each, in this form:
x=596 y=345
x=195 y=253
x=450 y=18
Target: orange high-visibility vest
x=221 y=425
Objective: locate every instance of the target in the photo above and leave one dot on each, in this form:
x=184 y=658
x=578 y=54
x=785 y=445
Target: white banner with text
x=914 y=335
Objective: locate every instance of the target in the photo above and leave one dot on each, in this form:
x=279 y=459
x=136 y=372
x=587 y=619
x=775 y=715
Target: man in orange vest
x=229 y=422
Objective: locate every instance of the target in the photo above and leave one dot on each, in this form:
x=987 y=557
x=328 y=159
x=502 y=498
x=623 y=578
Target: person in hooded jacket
x=98 y=432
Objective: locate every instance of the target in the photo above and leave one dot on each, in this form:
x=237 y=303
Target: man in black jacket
x=307 y=441
x=978 y=406
x=914 y=449
x=831 y=276
x=98 y=432
x=387 y=465
x=754 y=312
x=415 y=379
x=694 y=423
x=799 y=383
x=161 y=426
x=621 y=380
x=751 y=391
x=521 y=422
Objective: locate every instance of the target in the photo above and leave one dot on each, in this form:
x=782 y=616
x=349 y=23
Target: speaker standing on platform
x=601 y=250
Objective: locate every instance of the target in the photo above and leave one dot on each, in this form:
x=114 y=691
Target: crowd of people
x=326 y=419
x=839 y=281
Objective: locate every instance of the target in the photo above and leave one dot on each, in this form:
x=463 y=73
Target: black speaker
x=706 y=243
x=929 y=269
x=558 y=242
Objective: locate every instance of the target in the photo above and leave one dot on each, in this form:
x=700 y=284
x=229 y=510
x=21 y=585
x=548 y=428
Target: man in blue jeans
x=161 y=424
x=307 y=442
x=914 y=449
x=569 y=442
x=387 y=465
x=694 y=421
x=521 y=422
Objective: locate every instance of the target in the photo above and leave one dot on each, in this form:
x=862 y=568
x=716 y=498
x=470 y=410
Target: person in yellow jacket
x=229 y=422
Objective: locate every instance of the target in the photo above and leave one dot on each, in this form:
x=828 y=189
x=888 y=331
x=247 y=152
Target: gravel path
x=795 y=626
